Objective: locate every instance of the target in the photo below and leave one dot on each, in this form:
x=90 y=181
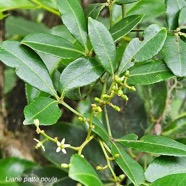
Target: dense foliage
x=126 y=74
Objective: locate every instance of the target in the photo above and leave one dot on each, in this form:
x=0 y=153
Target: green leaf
x=129 y=166
x=176 y=126
x=73 y=17
x=171 y=180
x=173 y=8
x=44 y=109
x=125 y=1
x=124 y=26
x=10 y=5
x=103 y=44
x=21 y=27
x=145 y=7
x=181 y=19
x=99 y=129
x=32 y=92
x=10 y=80
x=62 y=31
x=51 y=44
x=138 y=51
x=28 y=64
x=156 y=144
x=79 y=73
x=174 y=55
x=149 y=73
x=163 y=166
x=94 y=10
x=81 y=170
x=49 y=3
x=13 y=168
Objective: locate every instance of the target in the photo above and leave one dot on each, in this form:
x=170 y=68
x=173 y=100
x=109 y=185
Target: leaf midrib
x=123 y=28
x=150 y=143
x=132 y=175
x=108 y=57
x=47 y=106
x=52 y=46
x=150 y=73
x=85 y=174
x=78 y=24
x=141 y=46
x=79 y=76
x=13 y=54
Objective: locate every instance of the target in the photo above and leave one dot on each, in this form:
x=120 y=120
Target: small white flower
x=39 y=144
x=61 y=146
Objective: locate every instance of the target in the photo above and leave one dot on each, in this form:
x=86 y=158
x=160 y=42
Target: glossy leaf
x=171 y=180
x=149 y=73
x=94 y=10
x=145 y=7
x=176 y=126
x=21 y=27
x=103 y=44
x=44 y=109
x=125 y=1
x=163 y=166
x=81 y=170
x=99 y=128
x=32 y=92
x=156 y=144
x=173 y=8
x=124 y=26
x=49 y=3
x=181 y=19
x=10 y=5
x=62 y=31
x=138 y=51
x=73 y=17
x=79 y=73
x=51 y=44
x=10 y=80
x=28 y=64
x=129 y=166
x=174 y=55
x=13 y=168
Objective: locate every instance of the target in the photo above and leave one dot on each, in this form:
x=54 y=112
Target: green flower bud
x=99 y=168
x=97 y=99
x=121 y=177
x=99 y=109
x=81 y=119
x=125 y=97
x=133 y=88
x=120 y=92
x=127 y=73
x=116 y=156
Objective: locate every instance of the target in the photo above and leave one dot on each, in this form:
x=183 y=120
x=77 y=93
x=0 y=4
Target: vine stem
x=70 y=108
x=84 y=144
x=123 y=10
x=107 y=159
x=46 y=7
x=111 y=15
x=107 y=120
